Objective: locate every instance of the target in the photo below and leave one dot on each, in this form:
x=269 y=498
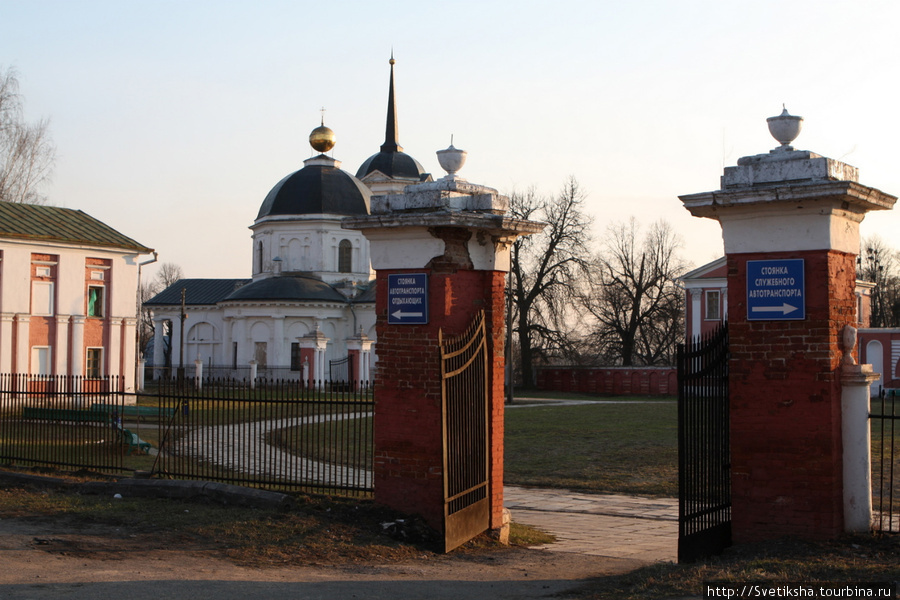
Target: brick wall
x=610 y=381
x=786 y=404
x=408 y=469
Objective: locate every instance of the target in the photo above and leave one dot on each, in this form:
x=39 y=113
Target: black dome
x=314 y=189
x=396 y=165
x=287 y=287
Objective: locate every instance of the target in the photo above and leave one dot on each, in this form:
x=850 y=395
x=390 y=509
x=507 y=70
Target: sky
x=174 y=118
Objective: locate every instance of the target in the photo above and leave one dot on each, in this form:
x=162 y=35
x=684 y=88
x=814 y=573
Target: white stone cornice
x=785 y=218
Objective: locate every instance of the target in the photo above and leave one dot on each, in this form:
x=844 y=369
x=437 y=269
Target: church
x=308 y=310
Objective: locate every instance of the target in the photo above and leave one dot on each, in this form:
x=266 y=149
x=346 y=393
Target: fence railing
x=65 y=422
x=883 y=417
x=280 y=434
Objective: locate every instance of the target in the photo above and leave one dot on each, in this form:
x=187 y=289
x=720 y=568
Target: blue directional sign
x=776 y=290
x=408 y=299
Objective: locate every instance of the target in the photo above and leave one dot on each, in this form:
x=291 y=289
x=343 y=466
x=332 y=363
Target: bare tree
x=167 y=274
x=634 y=297
x=26 y=151
x=878 y=263
x=544 y=269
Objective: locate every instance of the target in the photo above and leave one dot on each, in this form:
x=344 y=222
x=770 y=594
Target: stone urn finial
x=452 y=160
x=785 y=128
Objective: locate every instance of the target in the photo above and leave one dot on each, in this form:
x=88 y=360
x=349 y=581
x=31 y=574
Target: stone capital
x=820 y=215
x=861 y=375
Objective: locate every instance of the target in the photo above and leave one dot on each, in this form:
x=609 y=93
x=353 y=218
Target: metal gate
x=704 y=456
x=464 y=397
x=340 y=372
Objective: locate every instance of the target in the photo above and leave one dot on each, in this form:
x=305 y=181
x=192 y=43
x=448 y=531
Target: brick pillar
x=456 y=235
x=785 y=367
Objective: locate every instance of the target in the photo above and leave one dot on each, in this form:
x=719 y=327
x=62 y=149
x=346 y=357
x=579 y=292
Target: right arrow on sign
x=783 y=309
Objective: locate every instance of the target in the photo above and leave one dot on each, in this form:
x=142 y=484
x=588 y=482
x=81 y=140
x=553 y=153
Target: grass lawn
x=629 y=447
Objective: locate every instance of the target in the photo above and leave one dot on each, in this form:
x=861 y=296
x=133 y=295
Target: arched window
x=259 y=258
x=345 y=257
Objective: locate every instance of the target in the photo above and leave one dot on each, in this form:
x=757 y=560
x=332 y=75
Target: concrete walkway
x=611 y=525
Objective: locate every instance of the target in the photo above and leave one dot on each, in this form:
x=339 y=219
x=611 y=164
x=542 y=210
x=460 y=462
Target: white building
x=310 y=300
x=68 y=294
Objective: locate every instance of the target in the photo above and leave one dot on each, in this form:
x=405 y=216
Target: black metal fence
x=883 y=417
x=704 y=455
x=281 y=435
x=64 y=422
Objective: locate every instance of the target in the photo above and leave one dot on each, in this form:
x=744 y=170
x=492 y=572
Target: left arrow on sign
x=400 y=314
x=783 y=309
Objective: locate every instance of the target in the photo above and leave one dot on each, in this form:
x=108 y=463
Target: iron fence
x=704 y=454
x=885 y=460
x=273 y=434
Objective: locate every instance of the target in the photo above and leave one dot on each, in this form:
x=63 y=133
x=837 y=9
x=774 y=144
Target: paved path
x=612 y=525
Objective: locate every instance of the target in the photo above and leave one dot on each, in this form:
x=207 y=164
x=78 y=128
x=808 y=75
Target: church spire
x=390 y=134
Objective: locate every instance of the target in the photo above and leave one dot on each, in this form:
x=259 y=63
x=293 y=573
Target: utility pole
x=181 y=339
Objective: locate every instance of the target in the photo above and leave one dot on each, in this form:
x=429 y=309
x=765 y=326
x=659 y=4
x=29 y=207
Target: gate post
x=856 y=437
x=441 y=252
x=790 y=224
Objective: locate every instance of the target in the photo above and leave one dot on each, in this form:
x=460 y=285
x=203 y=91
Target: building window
x=259 y=257
x=345 y=256
x=234 y=347
x=296 y=362
x=713 y=305
x=95 y=301
x=93 y=363
x=259 y=354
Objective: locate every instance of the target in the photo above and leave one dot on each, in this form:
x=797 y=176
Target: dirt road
x=53 y=560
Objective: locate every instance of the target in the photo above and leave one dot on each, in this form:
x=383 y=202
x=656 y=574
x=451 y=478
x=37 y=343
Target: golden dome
x=322 y=139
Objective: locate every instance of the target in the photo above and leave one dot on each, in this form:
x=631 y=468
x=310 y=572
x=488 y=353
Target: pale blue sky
x=173 y=119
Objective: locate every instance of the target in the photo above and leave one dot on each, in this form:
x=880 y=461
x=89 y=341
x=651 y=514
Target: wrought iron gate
x=464 y=398
x=704 y=456
x=341 y=370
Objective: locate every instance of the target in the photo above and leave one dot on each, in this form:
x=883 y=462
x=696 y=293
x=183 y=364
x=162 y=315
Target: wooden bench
x=64 y=414
x=150 y=412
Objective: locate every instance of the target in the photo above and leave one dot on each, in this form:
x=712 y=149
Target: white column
x=6 y=349
x=159 y=344
x=855 y=382
x=278 y=341
x=227 y=325
x=320 y=364
x=23 y=342
x=139 y=375
x=175 y=342
x=198 y=373
x=61 y=346
x=253 y=367
x=129 y=353
x=239 y=335
x=77 y=367
x=696 y=312
x=723 y=294
x=114 y=359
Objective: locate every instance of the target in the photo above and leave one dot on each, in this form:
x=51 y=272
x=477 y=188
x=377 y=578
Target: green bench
x=135 y=443
x=150 y=412
x=64 y=414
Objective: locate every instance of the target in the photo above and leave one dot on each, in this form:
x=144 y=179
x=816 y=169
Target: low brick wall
x=610 y=381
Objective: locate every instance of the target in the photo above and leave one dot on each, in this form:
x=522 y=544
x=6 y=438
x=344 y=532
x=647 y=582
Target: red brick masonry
x=611 y=381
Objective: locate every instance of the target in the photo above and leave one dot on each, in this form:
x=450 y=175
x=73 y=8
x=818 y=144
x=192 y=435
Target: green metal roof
x=56 y=224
